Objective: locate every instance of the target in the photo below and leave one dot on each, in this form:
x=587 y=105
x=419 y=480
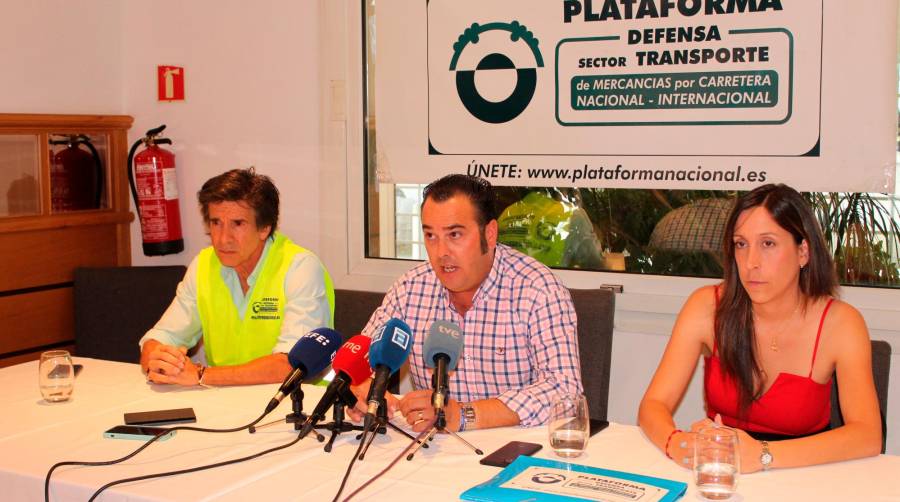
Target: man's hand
x=361 y=392
x=419 y=413
x=168 y=364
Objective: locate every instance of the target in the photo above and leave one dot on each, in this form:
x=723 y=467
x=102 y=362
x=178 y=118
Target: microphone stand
x=296 y=416
x=381 y=421
x=440 y=419
x=440 y=424
x=339 y=425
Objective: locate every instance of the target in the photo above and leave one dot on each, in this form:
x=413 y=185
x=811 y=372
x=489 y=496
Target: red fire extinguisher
x=151 y=174
x=76 y=175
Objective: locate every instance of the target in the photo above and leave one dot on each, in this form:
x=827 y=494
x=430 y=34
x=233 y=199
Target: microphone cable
x=362 y=441
x=193 y=469
x=371 y=480
x=139 y=449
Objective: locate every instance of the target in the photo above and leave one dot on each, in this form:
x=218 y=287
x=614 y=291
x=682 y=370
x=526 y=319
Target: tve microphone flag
x=442 y=348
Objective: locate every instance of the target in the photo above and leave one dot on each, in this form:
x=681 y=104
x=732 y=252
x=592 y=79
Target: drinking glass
x=716 y=462
x=56 y=375
x=569 y=425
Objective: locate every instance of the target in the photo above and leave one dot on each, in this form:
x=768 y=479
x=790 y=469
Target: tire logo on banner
x=526 y=77
x=546 y=478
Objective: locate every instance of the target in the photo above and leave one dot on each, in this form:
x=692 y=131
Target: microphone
x=443 y=345
x=351 y=363
x=389 y=349
x=311 y=354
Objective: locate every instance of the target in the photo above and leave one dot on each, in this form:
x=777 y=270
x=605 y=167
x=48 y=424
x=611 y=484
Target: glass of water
x=717 y=462
x=569 y=425
x=56 y=375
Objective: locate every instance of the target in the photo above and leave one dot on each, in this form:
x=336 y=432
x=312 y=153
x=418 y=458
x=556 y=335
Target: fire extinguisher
x=76 y=175
x=151 y=174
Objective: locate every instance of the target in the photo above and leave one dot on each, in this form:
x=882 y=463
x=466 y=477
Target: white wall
x=251 y=98
x=252 y=88
x=56 y=57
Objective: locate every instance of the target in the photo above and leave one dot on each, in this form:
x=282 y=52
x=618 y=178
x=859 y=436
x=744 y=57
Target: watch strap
x=765 y=458
x=466 y=416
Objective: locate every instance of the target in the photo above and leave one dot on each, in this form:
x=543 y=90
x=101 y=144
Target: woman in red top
x=772 y=334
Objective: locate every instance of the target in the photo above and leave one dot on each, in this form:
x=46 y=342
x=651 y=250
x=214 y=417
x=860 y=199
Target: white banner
x=712 y=94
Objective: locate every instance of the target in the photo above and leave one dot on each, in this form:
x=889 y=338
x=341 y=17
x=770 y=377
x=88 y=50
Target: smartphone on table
x=161 y=417
x=509 y=452
x=598 y=425
x=138 y=432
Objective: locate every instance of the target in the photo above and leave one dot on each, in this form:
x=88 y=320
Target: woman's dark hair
x=734 y=328
x=478 y=190
x=242 y=185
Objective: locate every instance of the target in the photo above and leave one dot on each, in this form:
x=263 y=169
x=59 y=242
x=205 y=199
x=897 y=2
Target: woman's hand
x=681 y=444
x=750 y=451
x=702 y=424
x=681 y=448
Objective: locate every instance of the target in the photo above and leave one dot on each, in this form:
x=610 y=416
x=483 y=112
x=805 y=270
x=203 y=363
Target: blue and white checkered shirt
x=520 y=335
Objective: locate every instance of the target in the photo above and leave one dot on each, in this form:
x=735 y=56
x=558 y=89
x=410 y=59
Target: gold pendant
x=773 y=345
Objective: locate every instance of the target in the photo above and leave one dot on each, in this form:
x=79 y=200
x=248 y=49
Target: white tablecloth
x=34 y=435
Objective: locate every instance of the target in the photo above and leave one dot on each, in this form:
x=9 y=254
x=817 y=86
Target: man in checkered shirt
x=517 y=319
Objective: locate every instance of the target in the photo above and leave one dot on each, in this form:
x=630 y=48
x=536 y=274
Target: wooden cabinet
x=57 y=214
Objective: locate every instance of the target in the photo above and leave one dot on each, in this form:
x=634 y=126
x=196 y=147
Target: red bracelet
x=668 y=439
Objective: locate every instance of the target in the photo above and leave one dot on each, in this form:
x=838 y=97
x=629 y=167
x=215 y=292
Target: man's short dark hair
x=242 y=185
x=478 y=190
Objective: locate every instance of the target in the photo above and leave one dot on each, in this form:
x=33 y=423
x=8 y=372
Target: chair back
x=352 y=310
x=115 y=306
x=595 y=309
x=881 y=371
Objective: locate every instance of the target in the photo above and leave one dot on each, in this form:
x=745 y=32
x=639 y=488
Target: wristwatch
x=765 y=458
x=466 y=415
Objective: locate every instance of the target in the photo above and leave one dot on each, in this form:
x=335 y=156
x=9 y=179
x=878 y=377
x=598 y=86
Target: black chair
x=881 y=371
x=115 y=306
x=595 y=309
x=352 y=310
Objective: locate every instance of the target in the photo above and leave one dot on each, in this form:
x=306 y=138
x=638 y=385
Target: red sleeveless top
x=793 y=406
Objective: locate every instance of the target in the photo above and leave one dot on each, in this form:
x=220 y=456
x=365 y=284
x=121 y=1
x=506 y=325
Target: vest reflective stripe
x=228 y=339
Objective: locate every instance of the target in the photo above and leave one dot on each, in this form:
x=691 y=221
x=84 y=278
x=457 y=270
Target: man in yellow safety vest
x=249 y=297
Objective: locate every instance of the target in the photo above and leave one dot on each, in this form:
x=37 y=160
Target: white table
x=34 y=435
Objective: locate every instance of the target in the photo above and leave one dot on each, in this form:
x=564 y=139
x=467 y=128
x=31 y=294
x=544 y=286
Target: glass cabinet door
x=78 y=174
x=20 y=175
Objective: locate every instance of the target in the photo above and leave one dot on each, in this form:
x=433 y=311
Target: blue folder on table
x=539 y=480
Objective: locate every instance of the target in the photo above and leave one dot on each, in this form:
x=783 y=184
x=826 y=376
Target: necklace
x=773 y=342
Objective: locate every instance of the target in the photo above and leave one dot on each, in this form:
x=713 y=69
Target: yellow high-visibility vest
x=229 y=340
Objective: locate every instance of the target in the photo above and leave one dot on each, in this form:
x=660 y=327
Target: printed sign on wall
x=645 y=93
x=170 y=83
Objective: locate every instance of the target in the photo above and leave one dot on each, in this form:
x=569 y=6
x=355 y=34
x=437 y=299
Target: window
x=408 y=237
x=635 y=231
